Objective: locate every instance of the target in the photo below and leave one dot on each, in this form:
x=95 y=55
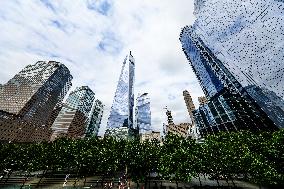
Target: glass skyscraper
x=121 y=114
x=143 y=113
x=95 y=118
x=239 y=67
x=29 y=98
x=73 y=117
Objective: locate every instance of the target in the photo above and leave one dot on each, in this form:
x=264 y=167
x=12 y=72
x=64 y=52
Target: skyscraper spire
x=121 y=113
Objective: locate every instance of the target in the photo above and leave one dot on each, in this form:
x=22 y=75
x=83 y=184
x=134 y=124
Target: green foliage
x=256 y=157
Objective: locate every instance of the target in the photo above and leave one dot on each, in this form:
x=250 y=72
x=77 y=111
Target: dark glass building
x=120 y=121
x=121 y=113
x=95 y=119
x=143 y=113
x=231 y=104
x=73 y=117
x=30 y=99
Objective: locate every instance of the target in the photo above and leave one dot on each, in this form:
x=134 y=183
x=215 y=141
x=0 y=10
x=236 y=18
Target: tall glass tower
x=235 y=49
x=95 y=119
x=73 y=117
x=28 y=99
x=143 y=113
x=121 y=114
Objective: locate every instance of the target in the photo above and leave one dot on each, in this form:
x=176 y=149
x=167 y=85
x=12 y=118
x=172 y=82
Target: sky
x=92 y=38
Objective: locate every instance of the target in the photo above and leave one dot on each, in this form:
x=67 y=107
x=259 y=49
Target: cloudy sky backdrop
x=92 y=38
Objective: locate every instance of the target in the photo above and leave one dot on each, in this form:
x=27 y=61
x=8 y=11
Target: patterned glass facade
x=121 y=113
x=95 y=119
x=27 y=101
x=143 y=113
x=247 y=36
x=230 y=106
x=73 y=118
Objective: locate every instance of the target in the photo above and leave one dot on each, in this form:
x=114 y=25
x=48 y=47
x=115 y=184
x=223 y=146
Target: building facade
x=189 y=104
x=73 y=118
x=150 y=136
x=121 y=114
x=122 y=133
x=28 y=100
x=95 y=119
x=226 y=52
x=143 y=113
x=181 y=129
x=202 y=100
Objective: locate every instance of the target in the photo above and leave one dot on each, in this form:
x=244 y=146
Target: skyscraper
x=239 y=68
x=143 y=113
x=169 y=117
x=121 y=114
x=95 y=119
x=28 y=99
x=73 y=118
x=178 y=129
x=202 y=100
x=189 y=104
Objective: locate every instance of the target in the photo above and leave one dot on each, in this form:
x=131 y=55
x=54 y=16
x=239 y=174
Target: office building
x=143 y=113
x=202 y=100
x=95 y=119
x=150 y=136
x=121 y=114
x=169 y=117
x=28 y=99
x=189 y=104
x=177 y=129
x=226 y=50
x=122 y=133
x=73 y=117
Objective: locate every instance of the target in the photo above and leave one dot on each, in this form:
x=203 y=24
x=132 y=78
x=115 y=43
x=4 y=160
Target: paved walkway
x=70 y=181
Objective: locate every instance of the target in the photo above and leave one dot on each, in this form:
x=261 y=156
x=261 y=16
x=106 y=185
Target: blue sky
x=92 y=38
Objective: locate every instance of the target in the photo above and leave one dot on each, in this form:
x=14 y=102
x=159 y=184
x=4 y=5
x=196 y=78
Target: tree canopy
x=255 y=157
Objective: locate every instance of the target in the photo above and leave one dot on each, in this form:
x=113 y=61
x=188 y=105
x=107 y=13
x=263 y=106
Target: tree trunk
x=85 y=181
x=9 y=174
x=231 y=177
x=233 y=182
x=26 y=178
x=199 y=180
x=43 y=174
x=149 y=179
x=76 y=176
x=227 y=181
x=177 y=183
x=5 y=173
x=102 y=183
x=218 y=181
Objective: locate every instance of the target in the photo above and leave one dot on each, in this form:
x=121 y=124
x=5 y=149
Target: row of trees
x=255 y=157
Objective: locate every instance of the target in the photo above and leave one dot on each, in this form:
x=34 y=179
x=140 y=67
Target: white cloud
x=71 y=32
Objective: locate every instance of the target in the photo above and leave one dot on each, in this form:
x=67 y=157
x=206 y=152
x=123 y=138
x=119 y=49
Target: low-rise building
x=150 y=136
x=180 y=129
x=120 y=133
